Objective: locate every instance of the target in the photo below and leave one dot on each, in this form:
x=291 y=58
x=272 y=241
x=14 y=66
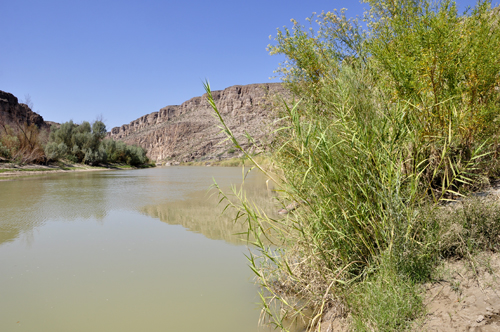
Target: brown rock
x=12 y=112
x=191 y=132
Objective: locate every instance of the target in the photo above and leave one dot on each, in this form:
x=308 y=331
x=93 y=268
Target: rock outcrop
x=190 y=131
x=13 y=113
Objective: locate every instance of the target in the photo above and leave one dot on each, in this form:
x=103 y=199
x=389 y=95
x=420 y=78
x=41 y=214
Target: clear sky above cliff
x=124 y=59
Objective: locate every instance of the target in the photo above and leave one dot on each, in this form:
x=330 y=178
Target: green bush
x=119 y=152
x=4 y=152
x=386 y=301
x=9 y=143
x=390 y=121
x=94 y=157
x=136 y=155
x=89 y=146
x=54 y=151
x=80 y=138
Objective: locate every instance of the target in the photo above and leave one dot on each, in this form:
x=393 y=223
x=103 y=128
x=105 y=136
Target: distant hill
x=190 y=132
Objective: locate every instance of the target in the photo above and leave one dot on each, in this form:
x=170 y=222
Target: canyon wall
x=13 y=113
x=190 y=131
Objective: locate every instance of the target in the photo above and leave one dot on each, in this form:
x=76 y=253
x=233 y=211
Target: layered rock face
x=191 y=132
x=13 y=113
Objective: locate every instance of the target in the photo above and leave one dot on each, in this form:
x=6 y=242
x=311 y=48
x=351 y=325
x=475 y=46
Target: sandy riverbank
x=463 y=295
x=464 y=298
x=9 y=171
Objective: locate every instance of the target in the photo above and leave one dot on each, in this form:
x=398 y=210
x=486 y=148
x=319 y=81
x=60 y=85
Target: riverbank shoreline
x=229 y=162
x=10 y=171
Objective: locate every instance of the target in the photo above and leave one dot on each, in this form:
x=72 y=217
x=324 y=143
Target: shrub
x=89 y=146
x=22 y=142
x=119 y=152
x=391 y=121
x=94 y=157
x=4 y=152
x=54 y=151
x=136 y=155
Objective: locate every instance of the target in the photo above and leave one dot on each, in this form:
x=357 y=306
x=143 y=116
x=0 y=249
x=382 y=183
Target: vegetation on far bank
x=389 y=123
x=231 y=162
x=77 y=143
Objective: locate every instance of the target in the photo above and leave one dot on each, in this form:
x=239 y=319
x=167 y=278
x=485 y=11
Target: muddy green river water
x=131 y=250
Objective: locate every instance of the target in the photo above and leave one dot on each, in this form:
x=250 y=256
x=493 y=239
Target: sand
x=464 y=297
x=467 y=298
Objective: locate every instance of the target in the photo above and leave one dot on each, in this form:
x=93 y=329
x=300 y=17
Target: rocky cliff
x=191 y=132
x=13 y=113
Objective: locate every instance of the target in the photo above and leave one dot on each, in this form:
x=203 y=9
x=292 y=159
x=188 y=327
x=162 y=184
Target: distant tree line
x=85 y=143
x=78 y=143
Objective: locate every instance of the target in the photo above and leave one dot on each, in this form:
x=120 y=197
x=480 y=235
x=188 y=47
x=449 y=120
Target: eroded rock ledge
x=13 y=113
x=190 y=131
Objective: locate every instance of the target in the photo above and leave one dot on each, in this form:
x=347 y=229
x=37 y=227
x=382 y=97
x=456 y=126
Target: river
x=128 y=250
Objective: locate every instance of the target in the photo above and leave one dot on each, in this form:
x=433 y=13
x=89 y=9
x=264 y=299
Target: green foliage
x=443 y=65
x=94 y=157
x=99 y=129
x=63 y=134
x=136 y=155
x=119 y=152
x=385 y=302
x=472 y=226
x=89 y=146
x=9 y=143
x=54 y=151
x=446 y=67
x=4 y=151
x=82 y=140
x=391 y=121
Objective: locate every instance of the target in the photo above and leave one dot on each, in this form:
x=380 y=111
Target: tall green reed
x=384 y=130
x=357 y=203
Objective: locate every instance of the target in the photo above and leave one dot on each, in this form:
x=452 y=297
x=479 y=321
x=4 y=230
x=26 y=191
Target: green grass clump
x=471 y=226
x=384 y=126
x=386 y=301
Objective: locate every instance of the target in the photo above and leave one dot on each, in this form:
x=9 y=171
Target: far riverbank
x=8 y=171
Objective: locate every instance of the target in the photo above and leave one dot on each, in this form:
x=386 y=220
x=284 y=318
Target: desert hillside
x=190 y=131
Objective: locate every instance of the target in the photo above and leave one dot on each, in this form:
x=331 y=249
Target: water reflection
x=172 y=195
x=81 y=252
x=16 y=217
x=28 y=203
x=201 y=213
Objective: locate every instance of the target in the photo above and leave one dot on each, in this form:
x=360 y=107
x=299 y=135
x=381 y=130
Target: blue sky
x=124 y=59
